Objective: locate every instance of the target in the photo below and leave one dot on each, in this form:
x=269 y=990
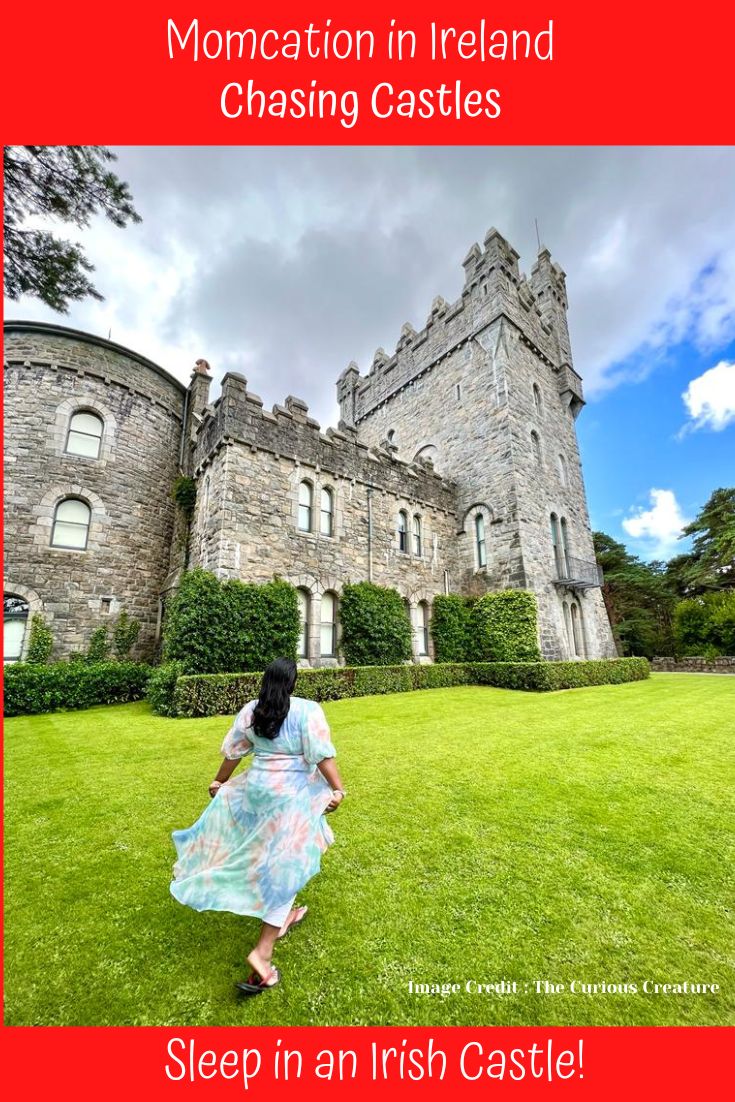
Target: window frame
x=328 y=623
x=328 y=492
x=305 y=623
x=309 y=506
x=417 y=535
x=480 y=541
x=402 y=530
x=77 y=524
x=79 y=432
x=423 y=626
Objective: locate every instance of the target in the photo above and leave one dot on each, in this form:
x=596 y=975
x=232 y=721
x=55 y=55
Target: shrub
x=375 y=628
x=225 y=694
x=503 y=627
x=124 y=635
x=218 y=627
x=40 y=642
x=450 y=618
x=64 y=686
x=162 y=686
x=99 y=646
x=705 y=625
x=550 y=676
x=441 y=675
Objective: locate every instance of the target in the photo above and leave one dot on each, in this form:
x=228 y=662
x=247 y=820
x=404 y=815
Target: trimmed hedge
x=450 y=620
x=67 y=686
x=375 y=628
x=215 y=626
x=503 y=627
x=224 y=694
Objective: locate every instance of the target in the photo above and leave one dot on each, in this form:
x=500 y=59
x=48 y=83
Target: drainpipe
x=183 y=431
x=446 y=581
x=370 y=532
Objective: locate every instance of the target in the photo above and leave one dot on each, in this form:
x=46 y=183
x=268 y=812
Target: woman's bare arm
x=330 y=772
x=225 y=771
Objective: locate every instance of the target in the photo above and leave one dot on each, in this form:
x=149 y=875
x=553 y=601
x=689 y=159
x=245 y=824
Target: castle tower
x=487 y=391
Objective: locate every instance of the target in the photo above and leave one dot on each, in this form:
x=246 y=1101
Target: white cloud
x=657 y=529
x=710 y=399
x=288 y=263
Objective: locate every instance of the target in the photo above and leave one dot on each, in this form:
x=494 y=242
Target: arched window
x=15 y=622
x=326 y=513
x=328 y=635
x=306 y=505
x=403 y=530
x=417 y=535
x=568 y=626
x=391 y=436
x=85 y=434
x=480 y=540
x=556 y=543
x=577 y=630
x=537 y=399
x=423 y=627
x=562 y=463
x=565 y=547
x=536 y=444
x=71 y=524
x=304 y=599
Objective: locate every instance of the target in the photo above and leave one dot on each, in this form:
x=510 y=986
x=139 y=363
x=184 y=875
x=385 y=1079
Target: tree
x=638 y=597
x=711 y=563
x=69 y=184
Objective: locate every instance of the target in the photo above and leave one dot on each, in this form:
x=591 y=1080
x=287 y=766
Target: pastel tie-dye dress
x=262 y=836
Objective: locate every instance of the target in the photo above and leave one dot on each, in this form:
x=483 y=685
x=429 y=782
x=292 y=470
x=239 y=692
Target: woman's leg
x=260 y=957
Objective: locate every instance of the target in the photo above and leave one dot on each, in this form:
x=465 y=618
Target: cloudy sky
x=287 y=263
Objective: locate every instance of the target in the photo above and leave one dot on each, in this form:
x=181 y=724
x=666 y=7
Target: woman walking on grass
x=261 y=839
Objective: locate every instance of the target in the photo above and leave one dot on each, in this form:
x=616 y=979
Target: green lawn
x=487 y=835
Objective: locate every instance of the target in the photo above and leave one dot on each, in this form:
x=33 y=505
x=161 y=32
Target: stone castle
x=454 y=469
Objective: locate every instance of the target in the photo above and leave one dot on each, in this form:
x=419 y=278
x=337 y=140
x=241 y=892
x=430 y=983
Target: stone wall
x=49 y=373
x=724 y=664
x=487 y=389
x=250 y=463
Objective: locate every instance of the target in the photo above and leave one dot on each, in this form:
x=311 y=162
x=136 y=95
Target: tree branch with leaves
x=70 y=184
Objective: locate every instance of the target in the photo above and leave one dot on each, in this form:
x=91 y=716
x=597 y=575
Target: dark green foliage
x=375 y=680
x=450 y=618
x=503 y=627
x=162 y=686
x=219 y=627
x=375 y=628
x=711 y=563
x=225 y=694
x=67 y=183
x=185 y=494
x=66 y=686
x=705 y=625
x=639 y=598
x=41 y=640
x=551 y=676
x=99 y=645
x=125 y=633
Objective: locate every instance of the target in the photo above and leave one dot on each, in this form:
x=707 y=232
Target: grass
x=487 y=835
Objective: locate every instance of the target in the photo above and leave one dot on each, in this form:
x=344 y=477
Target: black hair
x=279 y=681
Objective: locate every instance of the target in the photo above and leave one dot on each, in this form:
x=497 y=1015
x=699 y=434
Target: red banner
x=416 y=1062
x=545 y=72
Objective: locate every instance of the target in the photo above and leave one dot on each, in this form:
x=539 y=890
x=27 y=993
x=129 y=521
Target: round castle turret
x=92 y=448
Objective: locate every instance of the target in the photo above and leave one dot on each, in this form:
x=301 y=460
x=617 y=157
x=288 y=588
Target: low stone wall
x=725 y=664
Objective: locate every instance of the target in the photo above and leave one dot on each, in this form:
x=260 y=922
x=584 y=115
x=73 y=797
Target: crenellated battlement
x=494 y=287
x=240 y=416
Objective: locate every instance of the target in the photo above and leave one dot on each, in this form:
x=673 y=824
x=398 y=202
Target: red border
x=623 y=74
